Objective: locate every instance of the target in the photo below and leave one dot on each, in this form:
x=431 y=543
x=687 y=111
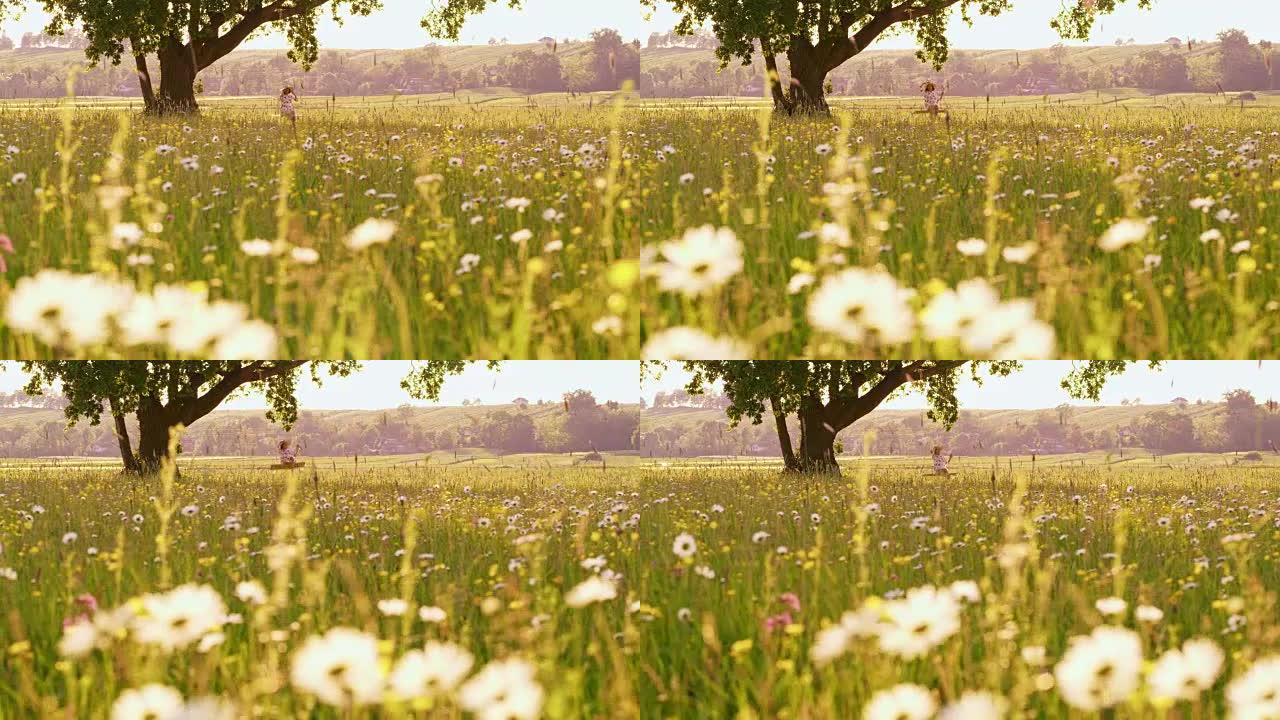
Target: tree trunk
x=817 y=454
x=784 y=435
x=781 y=103
x=122 y=439
x=144 y=81
x=807 y=95
x=177 y=80
x=144 y=78
x=153 y=438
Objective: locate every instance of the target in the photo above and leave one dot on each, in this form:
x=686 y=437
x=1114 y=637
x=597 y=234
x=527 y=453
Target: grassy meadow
x=385 y=232
x=1022 y=231
x=498 y=225
x=672 y=591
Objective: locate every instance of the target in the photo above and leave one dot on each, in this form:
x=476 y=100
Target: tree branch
x=256 y=371
x=209 y=52
x=852 y=408
x=846 y=48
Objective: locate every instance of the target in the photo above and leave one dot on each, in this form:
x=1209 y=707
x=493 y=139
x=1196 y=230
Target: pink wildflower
x=775 y=622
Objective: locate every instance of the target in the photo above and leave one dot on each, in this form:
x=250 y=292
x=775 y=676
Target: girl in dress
x=288 y=453
x=287 y=99
x=933 y=101
x=940 y=463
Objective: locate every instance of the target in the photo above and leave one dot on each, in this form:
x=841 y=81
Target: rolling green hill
x=1107 y=418
x=1093 y=419
x=36 y=72
x=425 y=418
x=465 y=57
x=28 y=432
x=1182 y=428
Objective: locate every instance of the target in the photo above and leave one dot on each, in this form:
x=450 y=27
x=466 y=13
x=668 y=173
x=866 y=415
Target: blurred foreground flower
x=76 y=313
x=341 y=667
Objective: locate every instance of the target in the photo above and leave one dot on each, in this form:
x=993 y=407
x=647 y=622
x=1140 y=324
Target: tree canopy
x=1078 y=16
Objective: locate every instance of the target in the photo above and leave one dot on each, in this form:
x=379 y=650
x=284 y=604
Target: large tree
x=816 y=36
x=829 y=396
x=186 y=36
x=165 y=395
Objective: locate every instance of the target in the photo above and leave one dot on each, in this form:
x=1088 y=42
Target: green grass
x=1043 y=603
x=450 y=282
x=901 y=195
x=970 y=468
x=685 y=637
x=1047 y=177
x=509 y=97
x=349 y=524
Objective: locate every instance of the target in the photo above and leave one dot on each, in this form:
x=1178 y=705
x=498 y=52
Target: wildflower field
x=1002 y=591
x=1022 y=232
x=367 y=233
x=612 y=229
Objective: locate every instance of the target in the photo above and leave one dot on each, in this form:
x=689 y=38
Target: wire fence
x=352 y=462
x=621 y=460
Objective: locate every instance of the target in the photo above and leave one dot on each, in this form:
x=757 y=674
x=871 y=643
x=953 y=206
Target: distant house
x=1180 y=402
x=1046 y=447
x=521 y=403
x=1174 y=42
x=1039 y=86
x=395 y=447
x=417 y=85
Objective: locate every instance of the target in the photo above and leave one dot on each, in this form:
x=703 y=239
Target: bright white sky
x=377 y=385
x=1037 y=385
x=396 y=25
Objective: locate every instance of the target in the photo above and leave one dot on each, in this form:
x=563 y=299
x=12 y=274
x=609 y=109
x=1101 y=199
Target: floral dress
x=939 y=464
x=286 y=104
x=932 y=98
x=288 y=456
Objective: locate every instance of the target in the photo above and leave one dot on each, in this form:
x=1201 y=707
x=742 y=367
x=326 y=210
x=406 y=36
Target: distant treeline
x=20 y=399
x=73 y=39
x=606 y=61
x=1238 y=423
x=576 y=424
